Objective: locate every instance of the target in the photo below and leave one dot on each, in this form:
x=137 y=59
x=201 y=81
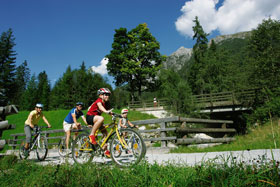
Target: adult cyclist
x=32 y=121
x=70 y=122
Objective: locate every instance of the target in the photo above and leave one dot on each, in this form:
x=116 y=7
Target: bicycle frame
x=35 y=140
x=114 y=128
x=121 y=144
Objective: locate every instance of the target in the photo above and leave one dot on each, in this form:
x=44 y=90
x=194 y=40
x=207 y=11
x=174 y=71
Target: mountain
x=177 y=59
x=240 y=35
x=232 y=42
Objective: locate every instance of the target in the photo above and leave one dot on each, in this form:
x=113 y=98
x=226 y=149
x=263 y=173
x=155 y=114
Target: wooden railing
x=54 y=136
x=4 y=124
x=206 y=100
x=164 y=128
x=225 y=98
x=147 y=104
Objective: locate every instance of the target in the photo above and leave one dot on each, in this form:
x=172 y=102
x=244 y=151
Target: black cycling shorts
x=89 y=119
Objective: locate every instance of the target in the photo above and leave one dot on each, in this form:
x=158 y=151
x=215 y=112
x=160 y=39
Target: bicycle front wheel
x=82 y=151
x=62 y=149
x=132 y=152
x=22 y=152
x=42 y=147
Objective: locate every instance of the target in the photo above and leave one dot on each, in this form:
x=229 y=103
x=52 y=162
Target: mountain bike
x=62 y=144
x=126 y=145
x=39 y=143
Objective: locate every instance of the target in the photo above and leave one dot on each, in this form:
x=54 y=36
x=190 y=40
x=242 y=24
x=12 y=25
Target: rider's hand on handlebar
x=110 y=111
x=49 y=126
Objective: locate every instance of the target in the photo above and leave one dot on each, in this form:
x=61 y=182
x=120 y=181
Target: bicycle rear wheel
x=42 y=147
x=133 y=151
x=82 y=151
x=62 y=150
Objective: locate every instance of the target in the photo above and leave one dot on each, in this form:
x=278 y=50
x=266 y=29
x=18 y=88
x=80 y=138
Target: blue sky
x=53 y=34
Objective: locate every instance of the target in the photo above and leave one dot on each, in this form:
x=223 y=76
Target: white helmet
x=39 y=105
x=124 y=110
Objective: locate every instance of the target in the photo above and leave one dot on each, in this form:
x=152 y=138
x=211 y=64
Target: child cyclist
x=94 y=115
x=70 y=122
x=124 y=122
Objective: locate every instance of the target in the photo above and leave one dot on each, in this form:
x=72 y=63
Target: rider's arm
x=120 y=122
x=46 y=121
x=75 y=119
x=30 y=119
x=130 y=124
x=101 y=107
x=84 y=119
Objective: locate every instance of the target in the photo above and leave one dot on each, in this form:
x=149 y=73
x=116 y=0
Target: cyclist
x=70 y=122
x=124 y=122
x=32 y=121
x=94 y=115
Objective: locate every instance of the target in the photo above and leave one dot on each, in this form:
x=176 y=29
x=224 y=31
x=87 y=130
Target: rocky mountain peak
x=182 y=51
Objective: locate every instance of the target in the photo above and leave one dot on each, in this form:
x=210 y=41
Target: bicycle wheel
x=22 y=154
x=133 y=151
x=62 y=150
x=42 y=147
x=82 y=151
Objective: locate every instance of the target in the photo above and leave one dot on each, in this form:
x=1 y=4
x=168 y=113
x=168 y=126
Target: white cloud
x=231 y=17
x=102 y=68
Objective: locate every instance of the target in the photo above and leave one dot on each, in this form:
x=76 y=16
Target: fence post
x=163 y=134
x=15 y=142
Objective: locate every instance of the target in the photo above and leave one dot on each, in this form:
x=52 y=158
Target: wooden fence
x=206 y=100
x=165 y=127
x=4 y=124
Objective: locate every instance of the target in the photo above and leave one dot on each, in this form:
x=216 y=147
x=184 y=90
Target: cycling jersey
x=35 y=117
x=94 y=110
x=69 y=117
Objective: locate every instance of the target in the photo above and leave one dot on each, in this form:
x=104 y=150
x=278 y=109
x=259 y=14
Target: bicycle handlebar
x=115 y=115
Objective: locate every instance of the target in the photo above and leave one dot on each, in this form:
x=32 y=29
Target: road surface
x=162 y=157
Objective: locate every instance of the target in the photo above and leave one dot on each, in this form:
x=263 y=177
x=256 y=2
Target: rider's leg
x=27 y=130
x=68 y=134
x=67 y=130
x=104 y=135
x=97 y=121
x=76 y=128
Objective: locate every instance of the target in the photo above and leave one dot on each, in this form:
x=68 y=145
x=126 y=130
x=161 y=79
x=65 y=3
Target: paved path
x=161 y=156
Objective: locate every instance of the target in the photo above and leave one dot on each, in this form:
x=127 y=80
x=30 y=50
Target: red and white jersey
x=94 y=110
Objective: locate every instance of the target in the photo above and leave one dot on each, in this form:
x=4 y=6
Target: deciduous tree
x=134 y=59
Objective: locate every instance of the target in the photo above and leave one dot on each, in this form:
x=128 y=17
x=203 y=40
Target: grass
x=25 y=173
x=260 y=137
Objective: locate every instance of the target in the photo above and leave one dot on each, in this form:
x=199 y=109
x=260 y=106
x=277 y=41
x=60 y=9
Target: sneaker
x=92 y=140
x=68 y=151
x=107 y=154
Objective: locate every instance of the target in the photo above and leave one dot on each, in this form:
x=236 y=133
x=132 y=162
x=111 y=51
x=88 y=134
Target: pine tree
x=43 y=90
x=196 y=71
x=31 y=96
x=7 y=67
x=22 y=78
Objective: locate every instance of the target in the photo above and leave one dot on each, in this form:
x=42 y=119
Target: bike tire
x=42 y=148
x=82 y=151
x=62 y=151
x=133 y=153
x=22 y=154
